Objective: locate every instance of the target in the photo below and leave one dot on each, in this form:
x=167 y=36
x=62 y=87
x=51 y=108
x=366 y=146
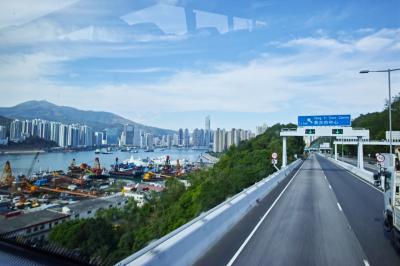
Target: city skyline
x=81 y=135
x=143 y=61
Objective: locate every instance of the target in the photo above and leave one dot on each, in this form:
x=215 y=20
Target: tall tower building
x=207 y=132
x=2 y=132
x=55 y=131
x=186 y=138
x=149 y=140
x=216 y=141
x=180 y=137
x=127 y=135
x=208 y=123
x=63 y=136
x=16 y=130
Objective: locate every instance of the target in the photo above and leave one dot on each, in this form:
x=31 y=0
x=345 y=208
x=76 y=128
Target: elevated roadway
x=323 y=215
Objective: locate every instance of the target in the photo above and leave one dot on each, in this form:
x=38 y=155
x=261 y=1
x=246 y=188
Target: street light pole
x=390 y=113
x=390 y=100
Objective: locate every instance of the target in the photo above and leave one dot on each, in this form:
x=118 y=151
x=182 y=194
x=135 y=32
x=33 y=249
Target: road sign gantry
x=326 y=131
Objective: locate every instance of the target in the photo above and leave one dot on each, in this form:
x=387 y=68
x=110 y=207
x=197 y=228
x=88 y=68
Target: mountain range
x=69 y=115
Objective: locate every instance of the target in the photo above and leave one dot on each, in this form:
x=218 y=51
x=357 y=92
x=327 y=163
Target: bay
x=20 y=163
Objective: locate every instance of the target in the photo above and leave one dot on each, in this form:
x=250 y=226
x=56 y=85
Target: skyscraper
x=180 y=137
x=149 y=140
x=98 y=137
x=55 y=131
x=186 y=138
x=63 y=136
x=207 y=132
x=216 y=141
x=16 y=130
x=136 y=137
x=208 y=123
x=127 y=135
x=2 y=132
x=73 y=136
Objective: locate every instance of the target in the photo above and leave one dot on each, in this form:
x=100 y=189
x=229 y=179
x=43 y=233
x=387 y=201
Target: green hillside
x=95 y=119
x=119 y=233
x=378 y=122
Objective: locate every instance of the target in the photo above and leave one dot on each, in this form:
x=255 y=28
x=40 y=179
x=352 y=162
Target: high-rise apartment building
x=180 y=137
x=16 y=130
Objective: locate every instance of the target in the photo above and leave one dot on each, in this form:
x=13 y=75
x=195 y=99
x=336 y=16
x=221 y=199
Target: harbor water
x=20 y=163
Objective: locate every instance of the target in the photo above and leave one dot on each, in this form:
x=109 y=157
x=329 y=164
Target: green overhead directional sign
x=310 y=131
x=337 y=131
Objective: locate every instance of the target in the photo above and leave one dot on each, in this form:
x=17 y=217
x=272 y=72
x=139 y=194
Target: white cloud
x=383 y=39
x=323 y=42
x=24 y=68
x=139 y=70
x=310 y=80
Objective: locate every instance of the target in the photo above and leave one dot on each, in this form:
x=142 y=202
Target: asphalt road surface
x=321 y=216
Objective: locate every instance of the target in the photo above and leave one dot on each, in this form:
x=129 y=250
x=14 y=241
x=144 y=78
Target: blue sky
x=170 y=63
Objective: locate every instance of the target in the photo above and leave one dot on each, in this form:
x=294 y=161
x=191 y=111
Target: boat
x=4 y=201
x=131 y=173
x=97 y=151
x=152 y=177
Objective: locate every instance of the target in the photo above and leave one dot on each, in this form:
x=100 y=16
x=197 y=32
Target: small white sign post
x=381 y=162
x=274 y=160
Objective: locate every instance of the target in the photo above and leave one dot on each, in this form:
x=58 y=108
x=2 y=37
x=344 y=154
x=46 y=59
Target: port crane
x=60 y=190
x=30 y=170
x=7 y=178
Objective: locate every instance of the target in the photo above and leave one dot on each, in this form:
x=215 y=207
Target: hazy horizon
x=244 y=64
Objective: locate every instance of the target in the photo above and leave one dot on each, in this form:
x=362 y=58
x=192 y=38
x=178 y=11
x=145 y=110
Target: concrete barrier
x=192 y=240
x=364 y=174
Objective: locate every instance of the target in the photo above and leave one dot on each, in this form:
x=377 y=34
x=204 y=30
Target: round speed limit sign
x=380 y=157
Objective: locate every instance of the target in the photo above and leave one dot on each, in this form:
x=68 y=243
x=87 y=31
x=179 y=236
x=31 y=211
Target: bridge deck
x=316 y=221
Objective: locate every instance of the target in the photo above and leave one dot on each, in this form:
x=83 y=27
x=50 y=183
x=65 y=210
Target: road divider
x=186 y=244
x=361 y=173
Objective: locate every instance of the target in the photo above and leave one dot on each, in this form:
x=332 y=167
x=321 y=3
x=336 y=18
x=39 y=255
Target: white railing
x=188 y=243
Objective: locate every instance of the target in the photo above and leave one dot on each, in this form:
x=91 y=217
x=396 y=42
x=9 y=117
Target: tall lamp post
x=388 y=71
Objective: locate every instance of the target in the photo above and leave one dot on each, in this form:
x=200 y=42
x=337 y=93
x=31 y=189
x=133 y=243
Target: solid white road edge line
x=262 y=219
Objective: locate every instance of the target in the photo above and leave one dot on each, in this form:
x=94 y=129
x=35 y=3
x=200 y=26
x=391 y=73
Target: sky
x=170 y=63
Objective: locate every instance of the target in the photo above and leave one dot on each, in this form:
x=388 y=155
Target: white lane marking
x=340 y=207
x=359 y=178
x=330 y=187
x=260 y=222
x=362 y=180
x=325 y=176
x=366 y=263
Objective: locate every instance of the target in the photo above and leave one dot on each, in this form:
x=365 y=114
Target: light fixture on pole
x=390 y=100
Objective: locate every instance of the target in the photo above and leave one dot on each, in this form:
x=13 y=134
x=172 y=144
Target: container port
x=131 y=178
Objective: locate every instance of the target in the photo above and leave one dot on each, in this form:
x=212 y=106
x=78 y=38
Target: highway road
x=321 y=216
